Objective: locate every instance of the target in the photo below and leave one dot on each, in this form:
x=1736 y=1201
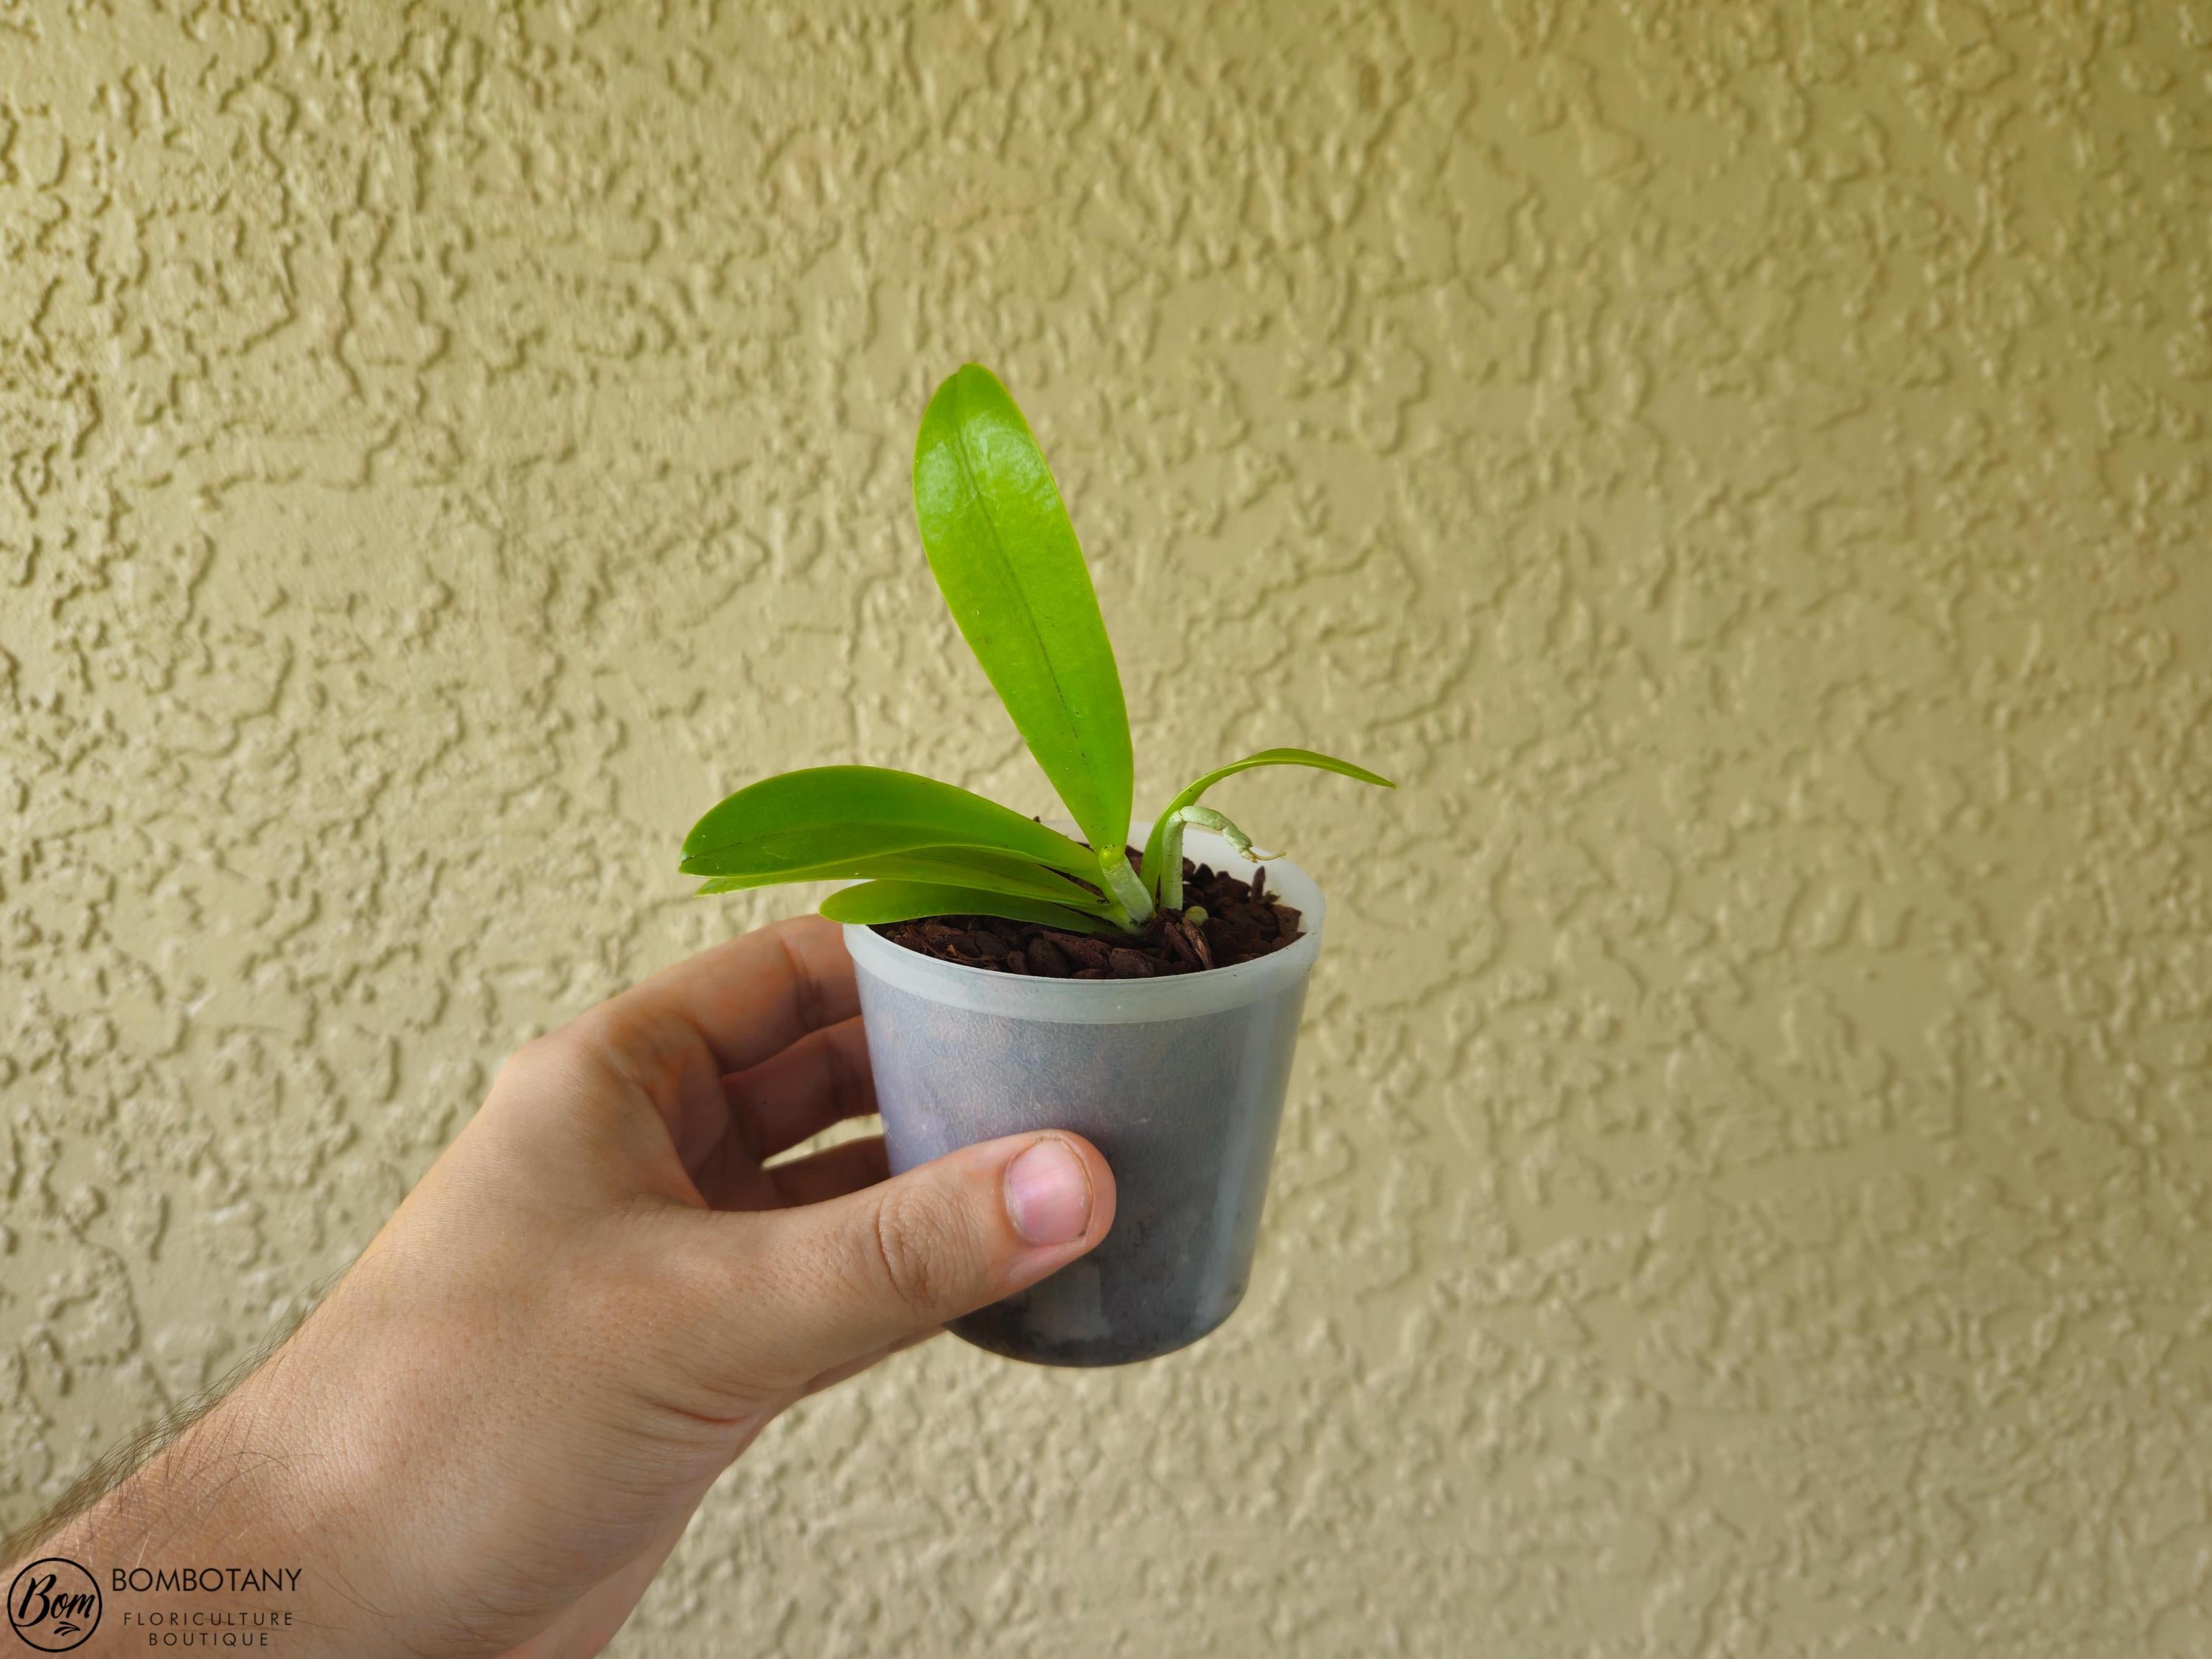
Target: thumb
x=856 y=1273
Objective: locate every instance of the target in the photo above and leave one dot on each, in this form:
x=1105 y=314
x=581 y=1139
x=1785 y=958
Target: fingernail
x=1048 y=1193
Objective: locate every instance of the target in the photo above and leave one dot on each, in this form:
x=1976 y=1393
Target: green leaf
x=796 y=822
x=1006 y=559
x=952 y=867
x=875 y=902
x=1163 y=868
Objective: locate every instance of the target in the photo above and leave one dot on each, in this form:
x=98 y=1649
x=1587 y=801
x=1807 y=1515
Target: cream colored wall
x=1744 y=468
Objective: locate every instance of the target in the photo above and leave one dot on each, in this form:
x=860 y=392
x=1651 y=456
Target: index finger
x=748 y=999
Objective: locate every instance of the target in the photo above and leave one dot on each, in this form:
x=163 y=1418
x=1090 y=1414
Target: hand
x=493 y=1431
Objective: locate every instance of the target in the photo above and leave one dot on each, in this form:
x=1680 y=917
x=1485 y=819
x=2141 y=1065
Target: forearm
x=231 y=1535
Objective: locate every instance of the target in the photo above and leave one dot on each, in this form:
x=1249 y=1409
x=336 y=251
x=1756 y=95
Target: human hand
x=490 y=1434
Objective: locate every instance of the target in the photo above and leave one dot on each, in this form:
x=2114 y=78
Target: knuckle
x=806 y=988
x=918 y=1248
x=531 y=1064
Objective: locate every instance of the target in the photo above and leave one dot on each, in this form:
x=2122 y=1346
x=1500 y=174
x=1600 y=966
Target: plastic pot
x=1178 y=1080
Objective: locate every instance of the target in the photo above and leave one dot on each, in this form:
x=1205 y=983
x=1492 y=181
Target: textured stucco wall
x=1743 y=467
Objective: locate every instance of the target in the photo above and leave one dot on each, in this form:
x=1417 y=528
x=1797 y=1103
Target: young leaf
x=1005 y=556
x=877 y=901
x=1163 y=867
x=951 y=866
x=825 y=815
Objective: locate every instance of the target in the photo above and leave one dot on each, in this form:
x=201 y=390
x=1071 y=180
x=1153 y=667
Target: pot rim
x=1112 y=1001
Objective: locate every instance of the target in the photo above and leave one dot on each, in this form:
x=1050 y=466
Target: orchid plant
x=1005 y=557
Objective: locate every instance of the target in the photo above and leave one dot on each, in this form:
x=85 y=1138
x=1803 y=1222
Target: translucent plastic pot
x=1178 y=1080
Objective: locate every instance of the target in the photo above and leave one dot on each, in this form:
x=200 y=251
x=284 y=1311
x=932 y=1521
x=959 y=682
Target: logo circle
x=54 y=1605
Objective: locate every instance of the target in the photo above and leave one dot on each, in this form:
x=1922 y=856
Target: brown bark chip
x=1243 y=921
x=1082 y=949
